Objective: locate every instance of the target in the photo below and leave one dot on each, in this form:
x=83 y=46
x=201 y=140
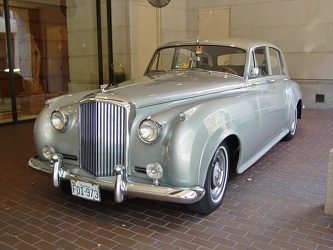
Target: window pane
x=260 y=61
x=39 y=48
x=210 y=57
x=5 y=87
x=275 y=62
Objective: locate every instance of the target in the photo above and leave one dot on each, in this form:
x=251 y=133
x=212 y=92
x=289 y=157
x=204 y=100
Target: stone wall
x=82 y=46
x=83 y=38
x=301 y=28
x=317 y=93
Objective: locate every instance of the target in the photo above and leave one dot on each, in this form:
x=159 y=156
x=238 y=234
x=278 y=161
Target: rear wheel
x=215 y=183
x=293 y=127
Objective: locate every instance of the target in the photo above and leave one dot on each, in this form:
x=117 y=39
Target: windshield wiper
x=157 y=71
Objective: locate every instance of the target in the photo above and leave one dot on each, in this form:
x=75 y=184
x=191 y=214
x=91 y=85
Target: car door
x=280 y=80
x=268 y=84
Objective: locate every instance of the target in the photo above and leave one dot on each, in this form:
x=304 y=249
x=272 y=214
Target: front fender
x=206 y=126
x=65 y=141
x=191 y=135
x=195 y=140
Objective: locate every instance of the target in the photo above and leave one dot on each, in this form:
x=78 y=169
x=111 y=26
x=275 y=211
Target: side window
x=260 y=61
x=275 y=60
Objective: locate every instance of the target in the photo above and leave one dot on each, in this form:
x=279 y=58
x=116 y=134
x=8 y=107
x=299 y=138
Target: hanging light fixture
x=159 y=3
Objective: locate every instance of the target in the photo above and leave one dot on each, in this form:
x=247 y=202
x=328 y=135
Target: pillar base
x=329 y=186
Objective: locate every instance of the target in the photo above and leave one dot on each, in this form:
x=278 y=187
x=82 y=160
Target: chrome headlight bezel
x=150 y=130
x=58 y=120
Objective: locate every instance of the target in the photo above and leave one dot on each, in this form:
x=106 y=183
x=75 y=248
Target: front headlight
x=150 y=130
x=59 y=120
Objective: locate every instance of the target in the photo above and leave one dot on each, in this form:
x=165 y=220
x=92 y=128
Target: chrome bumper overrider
x=119 y=185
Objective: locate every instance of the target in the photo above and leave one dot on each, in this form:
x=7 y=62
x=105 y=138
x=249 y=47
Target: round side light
x=155 y=171
x=48 y=152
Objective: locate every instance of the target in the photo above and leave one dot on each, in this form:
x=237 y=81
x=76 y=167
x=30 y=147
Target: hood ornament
x=104 y=87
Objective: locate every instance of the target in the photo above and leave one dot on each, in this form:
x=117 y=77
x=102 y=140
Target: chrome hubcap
x=294 y=124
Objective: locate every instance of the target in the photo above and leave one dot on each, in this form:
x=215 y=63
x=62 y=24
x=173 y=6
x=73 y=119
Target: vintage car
x=201 y=110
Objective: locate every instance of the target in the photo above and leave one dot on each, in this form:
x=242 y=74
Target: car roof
x=234 y=42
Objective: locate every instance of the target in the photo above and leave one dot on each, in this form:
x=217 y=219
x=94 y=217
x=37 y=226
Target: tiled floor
x=277 y=204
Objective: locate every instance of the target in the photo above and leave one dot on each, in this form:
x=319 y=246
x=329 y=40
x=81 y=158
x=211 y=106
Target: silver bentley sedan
x=201 y=110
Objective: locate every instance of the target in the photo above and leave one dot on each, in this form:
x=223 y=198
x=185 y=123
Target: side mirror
x=254 y=72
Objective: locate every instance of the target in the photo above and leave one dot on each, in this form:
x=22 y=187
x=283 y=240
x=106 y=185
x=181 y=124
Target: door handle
x=271 y=81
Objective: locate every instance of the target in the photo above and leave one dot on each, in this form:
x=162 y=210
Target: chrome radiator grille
x=103 y=132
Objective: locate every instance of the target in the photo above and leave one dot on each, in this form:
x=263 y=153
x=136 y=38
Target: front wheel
x=215 y=183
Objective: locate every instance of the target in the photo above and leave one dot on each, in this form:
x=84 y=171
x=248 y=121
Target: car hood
x=163 y=88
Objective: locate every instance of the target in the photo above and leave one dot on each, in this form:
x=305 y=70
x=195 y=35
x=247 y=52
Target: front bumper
x=121 y=187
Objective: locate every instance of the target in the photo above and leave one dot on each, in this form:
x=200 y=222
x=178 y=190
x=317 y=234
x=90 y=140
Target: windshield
x=209 y=57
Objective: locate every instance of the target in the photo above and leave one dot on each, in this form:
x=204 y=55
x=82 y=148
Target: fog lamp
x=48 y=152
x=155 y=171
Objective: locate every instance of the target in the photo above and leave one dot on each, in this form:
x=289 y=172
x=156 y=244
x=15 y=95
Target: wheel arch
x=233 y=145
x=300 y=109
x=216 y=176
